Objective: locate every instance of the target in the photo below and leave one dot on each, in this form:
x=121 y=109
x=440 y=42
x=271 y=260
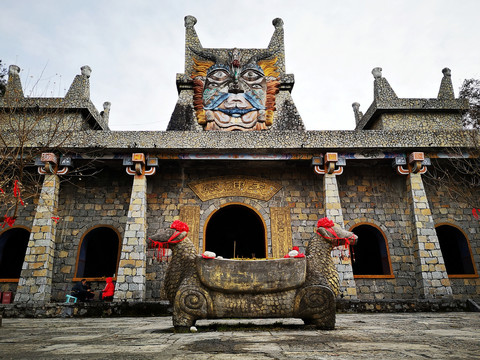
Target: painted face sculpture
x=235 y=95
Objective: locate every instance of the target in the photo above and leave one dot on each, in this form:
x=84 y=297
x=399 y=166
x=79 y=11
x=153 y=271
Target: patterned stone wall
x=131 y=278
x=431 y=274
x=417 y=120
x=457 y=212
x=376 y=195
x=368 y=194
x=35 y=283
x=168 y=191
x=84 y=204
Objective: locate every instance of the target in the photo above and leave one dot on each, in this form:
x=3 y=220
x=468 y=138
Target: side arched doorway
x=99 y=253
x=13 y=245
x=236 y=231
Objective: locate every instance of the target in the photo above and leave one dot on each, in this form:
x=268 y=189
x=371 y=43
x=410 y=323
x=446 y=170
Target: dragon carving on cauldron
x=304 y=287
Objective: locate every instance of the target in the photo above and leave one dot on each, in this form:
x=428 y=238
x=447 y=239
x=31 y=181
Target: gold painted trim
x=224 y=186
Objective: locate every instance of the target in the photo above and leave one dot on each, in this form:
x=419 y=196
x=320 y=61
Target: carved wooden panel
x=235 y=186
x=190 y=214
x=281 y=230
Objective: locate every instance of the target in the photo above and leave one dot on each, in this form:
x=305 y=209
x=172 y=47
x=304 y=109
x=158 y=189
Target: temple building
x=238 y=166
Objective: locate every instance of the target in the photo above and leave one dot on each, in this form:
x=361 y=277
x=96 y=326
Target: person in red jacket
x=107 y=293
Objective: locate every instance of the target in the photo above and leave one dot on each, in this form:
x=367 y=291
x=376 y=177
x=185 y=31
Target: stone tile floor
x=357 y=336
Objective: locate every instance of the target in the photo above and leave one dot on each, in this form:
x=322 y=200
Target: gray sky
x=135 y=48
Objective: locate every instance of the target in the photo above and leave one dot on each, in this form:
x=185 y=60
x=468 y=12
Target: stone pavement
x=357 y=336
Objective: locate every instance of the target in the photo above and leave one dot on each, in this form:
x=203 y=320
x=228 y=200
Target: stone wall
x=457 y=212
x=84 y=204
x=377 y=195
x=168 y=191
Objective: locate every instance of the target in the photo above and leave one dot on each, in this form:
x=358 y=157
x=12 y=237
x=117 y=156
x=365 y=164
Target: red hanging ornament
x=7 y=220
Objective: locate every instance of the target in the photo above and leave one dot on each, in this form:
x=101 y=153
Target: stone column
x=431 y=274
x=35 y=284
x=333 y=210
x=131 y=277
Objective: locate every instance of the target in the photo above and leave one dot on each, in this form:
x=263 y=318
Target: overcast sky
x=135 y=48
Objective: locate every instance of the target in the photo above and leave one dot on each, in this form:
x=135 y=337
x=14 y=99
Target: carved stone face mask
x=234 y=99
x=233 y=95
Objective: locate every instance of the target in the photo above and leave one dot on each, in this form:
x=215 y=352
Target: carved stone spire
x=446 y=88
x=80 y=88
x=381 y=88
x=14 y=85
x=277 y=44
x=357 y=112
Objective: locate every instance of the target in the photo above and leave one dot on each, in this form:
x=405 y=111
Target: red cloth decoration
x=325 y=223
x=328 y=224
x=179 y=226
x=474 y=212
x=207 y=257
x=55 y=219
x=7 y=220
x=16 y=192
x=162 y=247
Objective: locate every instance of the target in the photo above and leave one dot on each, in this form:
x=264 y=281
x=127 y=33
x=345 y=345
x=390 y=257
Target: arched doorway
x=455 y=250
x=236 y=231
x=13 y=245
x=99 y=253
x=372 y=258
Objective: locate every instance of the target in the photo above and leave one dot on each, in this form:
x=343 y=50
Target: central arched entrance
x=236 y=231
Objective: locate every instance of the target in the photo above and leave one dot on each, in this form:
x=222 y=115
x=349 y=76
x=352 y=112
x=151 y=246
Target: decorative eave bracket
x=417 y=164
x=137 y=165
x=331 y=163
x=47 y=163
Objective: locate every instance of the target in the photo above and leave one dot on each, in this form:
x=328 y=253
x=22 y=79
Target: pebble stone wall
x=431 y=274
x=85 y=203
x=35 y=284
x=375 y=195
x=458 y=213
x=131 y=278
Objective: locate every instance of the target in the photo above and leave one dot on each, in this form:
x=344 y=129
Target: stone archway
x=236 y=231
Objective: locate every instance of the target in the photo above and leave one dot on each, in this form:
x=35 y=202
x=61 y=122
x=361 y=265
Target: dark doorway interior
x=98 y=253
x=371 y=256
x=13 y=245
x=236 y=228
x=455 y=250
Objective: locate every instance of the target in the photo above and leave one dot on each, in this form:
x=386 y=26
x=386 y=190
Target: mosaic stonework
x=237 y=93
x=235 y=186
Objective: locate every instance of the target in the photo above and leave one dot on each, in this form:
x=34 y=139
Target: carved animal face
x=164 y=235
x=235 y=94
x=339 y=235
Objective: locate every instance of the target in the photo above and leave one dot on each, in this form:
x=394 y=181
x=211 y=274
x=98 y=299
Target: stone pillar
x=431 y=274
x=333 y=210
x=35 y=284
x=131 y=277
x=131 y=280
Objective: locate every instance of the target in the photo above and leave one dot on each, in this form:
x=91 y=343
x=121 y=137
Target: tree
x=3 y=79
x=470 y=90
x=458 y=175
x=30 y=126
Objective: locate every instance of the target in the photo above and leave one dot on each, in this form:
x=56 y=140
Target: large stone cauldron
x=303 y=288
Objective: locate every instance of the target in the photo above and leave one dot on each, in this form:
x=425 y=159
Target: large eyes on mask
x=251 y=75
x=218 y=75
